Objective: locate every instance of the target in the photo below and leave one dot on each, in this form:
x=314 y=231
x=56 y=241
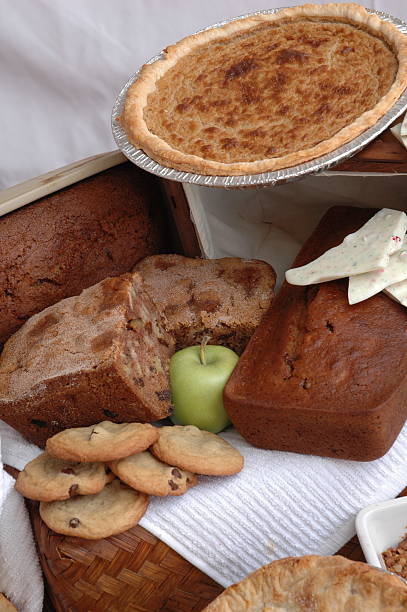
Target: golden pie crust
x=317 y=584
x=268 y=91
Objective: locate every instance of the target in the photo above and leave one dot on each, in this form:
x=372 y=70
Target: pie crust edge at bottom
x=304 y=583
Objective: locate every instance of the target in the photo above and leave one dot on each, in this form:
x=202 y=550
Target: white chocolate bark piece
x=367 y=249
x=363 y=286
x=398 y=292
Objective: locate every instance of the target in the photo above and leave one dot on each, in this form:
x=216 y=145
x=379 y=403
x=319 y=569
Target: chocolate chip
x=110 y=414
x=175 y=472
x=107 y=469
x=74 y=522
x=67 y=471
x=164 y=395
x=73 y=490
x=173 y=485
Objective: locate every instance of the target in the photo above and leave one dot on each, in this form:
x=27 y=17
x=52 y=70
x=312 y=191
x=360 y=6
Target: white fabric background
x=62 y=63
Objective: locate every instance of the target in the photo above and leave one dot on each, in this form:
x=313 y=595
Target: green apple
x=198 y=375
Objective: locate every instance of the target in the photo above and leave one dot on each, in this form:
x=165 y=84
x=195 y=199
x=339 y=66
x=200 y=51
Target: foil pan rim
x=319 y=164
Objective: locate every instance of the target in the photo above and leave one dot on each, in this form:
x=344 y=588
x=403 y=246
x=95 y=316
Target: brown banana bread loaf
x=320 y=376
x=76 y=237
x=224 y=298
x=101 y=355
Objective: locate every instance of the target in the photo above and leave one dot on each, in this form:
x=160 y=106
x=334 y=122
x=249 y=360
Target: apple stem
x=204 y=342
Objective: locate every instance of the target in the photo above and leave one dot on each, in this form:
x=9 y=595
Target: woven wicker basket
x=131 y=571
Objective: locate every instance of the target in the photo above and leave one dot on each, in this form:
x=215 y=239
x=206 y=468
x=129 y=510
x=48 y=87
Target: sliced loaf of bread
x=102 y=354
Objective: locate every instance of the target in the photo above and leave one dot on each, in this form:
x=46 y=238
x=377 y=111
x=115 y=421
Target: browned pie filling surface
x=272 y=90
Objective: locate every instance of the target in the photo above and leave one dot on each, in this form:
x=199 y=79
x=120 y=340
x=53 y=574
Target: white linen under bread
x=20 y=572
x=281 y=504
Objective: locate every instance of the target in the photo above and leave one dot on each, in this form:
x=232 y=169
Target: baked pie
x=267 y=91
x=317 y=584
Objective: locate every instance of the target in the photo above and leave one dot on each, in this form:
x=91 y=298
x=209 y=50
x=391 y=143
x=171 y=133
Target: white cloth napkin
x=20 y=572
x=281 y=504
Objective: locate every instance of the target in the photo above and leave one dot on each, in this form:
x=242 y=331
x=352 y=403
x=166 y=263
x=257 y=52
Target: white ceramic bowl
x=381 y=526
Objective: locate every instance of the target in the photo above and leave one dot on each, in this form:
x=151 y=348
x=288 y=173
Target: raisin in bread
x=224 y=298
x=102 y=354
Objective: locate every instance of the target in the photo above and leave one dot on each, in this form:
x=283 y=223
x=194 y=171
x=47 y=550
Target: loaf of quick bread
x=76 y=237
x=320 y=376
x=103 y=354
x=223 y=298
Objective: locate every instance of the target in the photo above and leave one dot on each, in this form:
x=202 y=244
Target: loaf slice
x=101 y=355
x=224 y=298
x=320 y=376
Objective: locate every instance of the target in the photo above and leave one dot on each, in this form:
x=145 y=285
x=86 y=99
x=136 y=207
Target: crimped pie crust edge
x=159 y=150
x=277 y=580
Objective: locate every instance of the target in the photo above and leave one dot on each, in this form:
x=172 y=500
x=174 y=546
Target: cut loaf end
x=103 y=354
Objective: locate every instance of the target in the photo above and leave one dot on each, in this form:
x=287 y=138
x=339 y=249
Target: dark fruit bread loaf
x=320 y=376
x=223 y=298
x=102 y=355
x=72 y=239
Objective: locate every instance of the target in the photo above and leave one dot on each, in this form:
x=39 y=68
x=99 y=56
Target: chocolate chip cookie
x=114 y=510
x=47 y=478
x=146 y=473
x=105 y=441
x=197 y=451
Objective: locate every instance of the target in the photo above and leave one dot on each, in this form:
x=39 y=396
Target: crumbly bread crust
x=300 y=584
x=103 y=353
x=267 y=91
x=104 y=441
x=46 y=478
x=72 y=239
x=223 y=298
x=320 y=376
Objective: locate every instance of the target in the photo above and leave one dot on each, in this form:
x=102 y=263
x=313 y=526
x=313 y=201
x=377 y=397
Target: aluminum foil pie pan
x=138 y=157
